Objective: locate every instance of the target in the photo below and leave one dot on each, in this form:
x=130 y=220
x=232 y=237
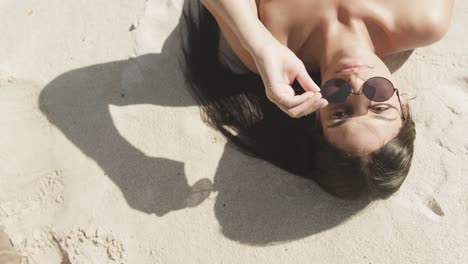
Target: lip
x=352 y=67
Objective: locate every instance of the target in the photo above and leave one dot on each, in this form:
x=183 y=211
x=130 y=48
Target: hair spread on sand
x=237 y=106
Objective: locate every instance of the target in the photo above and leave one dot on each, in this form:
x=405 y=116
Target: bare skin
x=393 y=25
x=341 y=39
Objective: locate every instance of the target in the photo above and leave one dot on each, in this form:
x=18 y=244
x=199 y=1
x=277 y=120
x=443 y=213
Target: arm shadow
x=77 y=103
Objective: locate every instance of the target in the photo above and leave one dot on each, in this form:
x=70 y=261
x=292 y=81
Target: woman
x=354 y=134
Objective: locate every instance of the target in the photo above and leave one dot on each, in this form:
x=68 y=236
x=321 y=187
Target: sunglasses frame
x=350 y=90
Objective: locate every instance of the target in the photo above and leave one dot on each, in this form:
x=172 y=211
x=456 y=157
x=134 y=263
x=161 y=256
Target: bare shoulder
x=422 y=22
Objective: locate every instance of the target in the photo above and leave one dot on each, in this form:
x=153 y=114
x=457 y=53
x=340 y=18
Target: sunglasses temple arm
x=401 y=106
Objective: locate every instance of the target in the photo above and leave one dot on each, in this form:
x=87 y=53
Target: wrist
x=255 y=38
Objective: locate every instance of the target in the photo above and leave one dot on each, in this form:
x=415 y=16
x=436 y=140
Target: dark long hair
x=237 y=106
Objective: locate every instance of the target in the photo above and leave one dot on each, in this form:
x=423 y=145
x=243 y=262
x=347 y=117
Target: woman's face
x=360 y=125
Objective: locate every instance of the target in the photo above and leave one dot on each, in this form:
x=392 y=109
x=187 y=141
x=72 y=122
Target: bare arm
x=422 y=22
x=277 y=64
x=241 y=17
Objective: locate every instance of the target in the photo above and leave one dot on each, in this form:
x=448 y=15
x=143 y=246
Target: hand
x=279 y=67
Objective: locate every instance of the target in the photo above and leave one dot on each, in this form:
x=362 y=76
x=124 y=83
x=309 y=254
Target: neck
x=344 y=42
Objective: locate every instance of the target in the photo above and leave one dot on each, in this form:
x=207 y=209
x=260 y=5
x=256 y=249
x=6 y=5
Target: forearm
x=241 y=17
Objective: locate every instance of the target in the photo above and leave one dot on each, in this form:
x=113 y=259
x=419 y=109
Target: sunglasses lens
x=335 y=91
x=378 y=89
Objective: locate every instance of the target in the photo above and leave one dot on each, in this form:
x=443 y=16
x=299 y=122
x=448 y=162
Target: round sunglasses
x=378 y=89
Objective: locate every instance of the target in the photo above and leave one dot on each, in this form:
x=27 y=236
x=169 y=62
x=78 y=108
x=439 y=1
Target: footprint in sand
x=434 y=206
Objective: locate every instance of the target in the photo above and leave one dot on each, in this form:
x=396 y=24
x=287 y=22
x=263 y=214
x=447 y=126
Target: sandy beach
x=105 y=158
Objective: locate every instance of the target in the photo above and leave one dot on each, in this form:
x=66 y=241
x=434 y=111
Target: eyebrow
x=341 y=122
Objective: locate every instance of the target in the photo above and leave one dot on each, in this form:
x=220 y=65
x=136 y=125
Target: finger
x=312 y=105
x=283 y=108
x=290 y=100
x=321 y=103
x=306 y=81
x=285 y=95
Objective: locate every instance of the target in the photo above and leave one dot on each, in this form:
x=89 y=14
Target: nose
x=356 y=83
x=360 y=103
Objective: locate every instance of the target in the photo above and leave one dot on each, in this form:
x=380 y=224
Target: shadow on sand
x=251 y=207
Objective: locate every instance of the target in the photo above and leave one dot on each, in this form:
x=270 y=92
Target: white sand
x=104 y=157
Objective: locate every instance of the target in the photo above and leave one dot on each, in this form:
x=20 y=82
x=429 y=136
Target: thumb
x=306 y=81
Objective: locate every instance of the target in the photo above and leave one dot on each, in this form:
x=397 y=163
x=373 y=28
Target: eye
x=379 y=108
x=339 y=114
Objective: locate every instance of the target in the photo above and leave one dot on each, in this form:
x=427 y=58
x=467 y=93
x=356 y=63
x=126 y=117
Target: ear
x=405 y=98
x=318 y=123
x=404 y=105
